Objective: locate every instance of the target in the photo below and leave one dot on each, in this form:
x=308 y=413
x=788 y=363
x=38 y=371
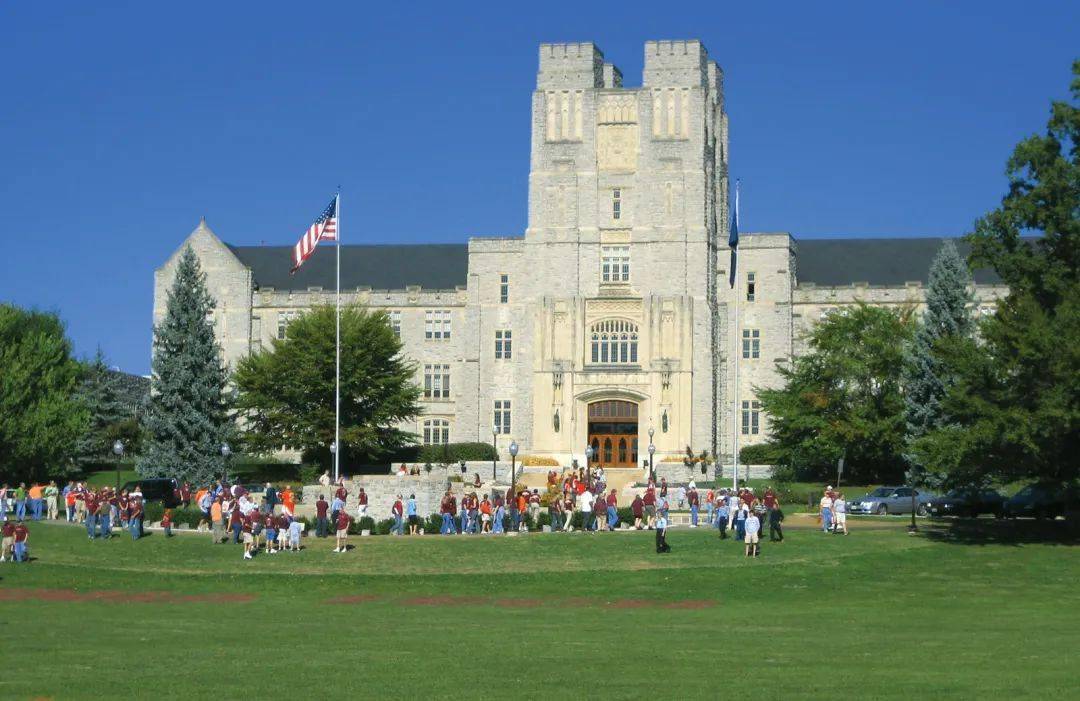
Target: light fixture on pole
x=513 y=479
x=118 y=450
x=652 y=473
x=494 y=449
x=226 y=451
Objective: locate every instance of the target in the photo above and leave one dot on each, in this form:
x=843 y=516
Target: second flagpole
x=337 y=347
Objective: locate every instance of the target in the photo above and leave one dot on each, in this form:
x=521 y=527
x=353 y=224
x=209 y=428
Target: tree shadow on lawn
x=966 y=531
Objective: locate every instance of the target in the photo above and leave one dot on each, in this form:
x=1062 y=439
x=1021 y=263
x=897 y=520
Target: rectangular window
x=504 y=289
x=751 y=418
x=616 y=203
x=751 y=343
x=503 y=343
x=256 y=334
x=502 y=416
x=437 y=324
x=614 y=264
x=395 y=322
x=751 y=286
x=436 y=432
x=283 y=321
x=436 y=381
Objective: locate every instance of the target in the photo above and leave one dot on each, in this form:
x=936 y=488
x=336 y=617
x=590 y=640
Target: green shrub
x=456 y=452
x=433 y=523
x=760 y=454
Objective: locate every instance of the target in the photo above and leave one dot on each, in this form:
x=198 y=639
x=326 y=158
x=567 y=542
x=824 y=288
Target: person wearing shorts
x=840 y=514
x=410 y=513
x=7 y=549
x=342 y=536
x=752 y=528
x=295 y=529
x=246 y=536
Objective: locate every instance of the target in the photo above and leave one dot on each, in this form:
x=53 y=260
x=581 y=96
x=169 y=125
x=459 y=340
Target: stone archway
x=613 y=433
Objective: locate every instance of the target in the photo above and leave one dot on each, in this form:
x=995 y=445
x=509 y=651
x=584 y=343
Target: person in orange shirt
x=288 y=500
x=35 y=501
x=485 y=515
x=522 y=506
x=217 y=522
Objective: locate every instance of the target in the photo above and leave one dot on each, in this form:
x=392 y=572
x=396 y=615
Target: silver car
x=890 y=500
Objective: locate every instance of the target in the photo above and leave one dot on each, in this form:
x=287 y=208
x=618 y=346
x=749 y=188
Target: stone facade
x=625 y=253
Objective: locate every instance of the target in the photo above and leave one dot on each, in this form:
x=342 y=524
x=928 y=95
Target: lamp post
x=118 y=450
x=588 y=466
x=226 y=451
x=513 y=479
x=494 y=449
x=652 y=449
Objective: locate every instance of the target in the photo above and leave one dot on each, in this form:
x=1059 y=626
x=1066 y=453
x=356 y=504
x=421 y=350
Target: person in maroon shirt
x=637 y=506
x=612 y=509
x=342 y=524
x=769 y=499
x=599 y=512
x=8 y=543
x=247 y=525
x=362 y=502
x=236 y=523
x=90 y=501
x=321 y=522
x=135 y=517
x=21 y=535
x=650 y=507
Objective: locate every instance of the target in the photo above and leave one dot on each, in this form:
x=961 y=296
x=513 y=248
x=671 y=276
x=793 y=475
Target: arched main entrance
x=613 y=433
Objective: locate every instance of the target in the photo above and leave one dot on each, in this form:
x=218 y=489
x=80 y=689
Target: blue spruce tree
x=926 y=378
x=188 y=418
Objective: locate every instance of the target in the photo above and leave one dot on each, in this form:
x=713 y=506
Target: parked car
x=161 y=489
x=968 y=502
x=890 y=500
x=1042 y=501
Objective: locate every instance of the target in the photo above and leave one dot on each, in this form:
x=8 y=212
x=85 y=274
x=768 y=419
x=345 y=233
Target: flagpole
x=738 y=351
x=337 y=347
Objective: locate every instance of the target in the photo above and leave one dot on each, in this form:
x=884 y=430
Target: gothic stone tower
x=613 y=297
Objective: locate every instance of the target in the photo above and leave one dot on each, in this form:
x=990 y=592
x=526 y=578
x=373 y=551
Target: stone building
x=612 y=314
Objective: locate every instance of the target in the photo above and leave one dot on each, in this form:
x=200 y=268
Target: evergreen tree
x=98 y=394
x=926 y=377
x=286 y=394
x=187 y=420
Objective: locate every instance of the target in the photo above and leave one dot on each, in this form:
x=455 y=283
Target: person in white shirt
x=840 y=514
x=585 y=504
x=753 y=529
x=661 y=534
x=324 y=480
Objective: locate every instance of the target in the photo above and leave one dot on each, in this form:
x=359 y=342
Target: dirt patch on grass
x=121 y=597
x=451 y=601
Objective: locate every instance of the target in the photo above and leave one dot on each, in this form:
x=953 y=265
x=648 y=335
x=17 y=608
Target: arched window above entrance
x=614 y=342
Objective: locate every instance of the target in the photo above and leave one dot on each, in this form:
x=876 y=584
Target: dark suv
x=163 y=489
x=968 y=502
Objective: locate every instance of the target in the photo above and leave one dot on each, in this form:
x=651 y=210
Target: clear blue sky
x=123 y=123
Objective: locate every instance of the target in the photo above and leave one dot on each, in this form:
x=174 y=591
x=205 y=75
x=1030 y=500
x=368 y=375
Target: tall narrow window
x=395 y=322
x=502 y=416
x=751 y=343
x=503 y=345
x=504 y=289
x=256 y=334
x=751 y=286
x=437 y=324
x=436 y=431
x=615 y=264
x=751 y=418
x=436 y=381
x=616 y=203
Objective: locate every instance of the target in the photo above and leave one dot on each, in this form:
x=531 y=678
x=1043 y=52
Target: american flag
x=322 y=229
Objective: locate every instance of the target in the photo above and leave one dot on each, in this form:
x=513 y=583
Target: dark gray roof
x=388 y=267
x=874 y=261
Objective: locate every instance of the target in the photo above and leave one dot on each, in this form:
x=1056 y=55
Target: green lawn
x=984 y=613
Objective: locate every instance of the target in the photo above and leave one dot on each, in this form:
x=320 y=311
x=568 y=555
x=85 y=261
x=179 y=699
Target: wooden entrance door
x=613 y=433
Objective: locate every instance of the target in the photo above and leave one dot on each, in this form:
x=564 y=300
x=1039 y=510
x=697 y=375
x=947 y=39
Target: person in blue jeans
x=740 y=521
x=103 y=519
x=825 y=509
x=91 y=519
x=497 y=519
x=693 y=499
x=20 y=502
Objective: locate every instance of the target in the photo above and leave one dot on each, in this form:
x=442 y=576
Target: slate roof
x=384 y=267
x=824 y=262
x=828 y=262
